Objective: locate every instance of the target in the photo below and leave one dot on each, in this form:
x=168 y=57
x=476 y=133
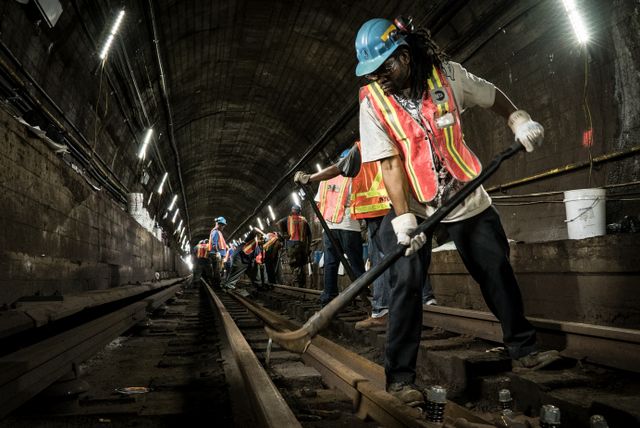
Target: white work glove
x=403 y=225
x=528 y=133
x=301 y=177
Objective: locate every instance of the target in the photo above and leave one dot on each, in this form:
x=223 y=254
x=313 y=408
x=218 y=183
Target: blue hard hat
x=376 y=40
x=221 y=220
x=344 y=153
x=296 y=208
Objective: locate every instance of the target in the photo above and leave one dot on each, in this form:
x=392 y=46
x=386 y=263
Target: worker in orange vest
x=201 y=253
x=410 y=122
x=243 y=259
x=297 y=232
x=218 y=249
x=334 y=203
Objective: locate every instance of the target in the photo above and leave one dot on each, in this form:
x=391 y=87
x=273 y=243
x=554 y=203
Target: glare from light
x=173 y=201
x=112 y=33
x=296 y=199
x=260 y=224
x=271 y=213
x=318 y=167
x=576 y=21
x=173 y=220
x=145 y=143
x=164 y=178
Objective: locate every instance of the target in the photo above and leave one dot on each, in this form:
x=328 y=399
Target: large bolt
x=436 y=401
x=549 y=416
x=598 y=421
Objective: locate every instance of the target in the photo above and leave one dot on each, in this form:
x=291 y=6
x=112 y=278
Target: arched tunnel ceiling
x=252 y=85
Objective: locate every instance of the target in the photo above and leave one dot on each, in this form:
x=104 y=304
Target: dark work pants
x=351 y=242
x=239 y=266
x=484 y=249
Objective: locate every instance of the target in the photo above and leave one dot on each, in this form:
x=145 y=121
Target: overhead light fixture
x=180 y=224
x=576 y=21
x=173 y=201
x=271 y=213
x=318 y=167
x=149 y=200
x=260 y=224
x=145 y=143
x=250 y=228
x=112 y=34
x=164 y=178
x=165 y=215
x=296 y=199
x=268 y=221
x=173 y=220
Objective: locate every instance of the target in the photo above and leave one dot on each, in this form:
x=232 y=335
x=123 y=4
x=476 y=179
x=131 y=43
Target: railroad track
x=460 y=349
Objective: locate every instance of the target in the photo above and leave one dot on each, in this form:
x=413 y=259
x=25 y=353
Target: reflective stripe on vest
x=369 y=197
x=295 y=227
x=222 y=244
x=249 y=248
x=416 y=145
x=333 y=198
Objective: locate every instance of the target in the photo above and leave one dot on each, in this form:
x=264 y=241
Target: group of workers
x=410 y=159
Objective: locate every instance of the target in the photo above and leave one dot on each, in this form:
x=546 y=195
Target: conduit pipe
x=565 y=169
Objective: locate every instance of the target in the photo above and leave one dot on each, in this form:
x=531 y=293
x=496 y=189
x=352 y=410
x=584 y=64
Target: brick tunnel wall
x=58 y=234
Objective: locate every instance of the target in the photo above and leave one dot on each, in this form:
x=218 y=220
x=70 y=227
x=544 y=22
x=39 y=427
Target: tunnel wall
x=59 y=235
x=532 y=54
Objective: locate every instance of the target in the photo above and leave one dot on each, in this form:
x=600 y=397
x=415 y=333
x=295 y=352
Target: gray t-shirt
x=349 y=165
x=468 y=91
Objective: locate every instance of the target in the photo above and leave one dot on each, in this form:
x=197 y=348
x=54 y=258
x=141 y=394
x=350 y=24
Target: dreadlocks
x=425 y=53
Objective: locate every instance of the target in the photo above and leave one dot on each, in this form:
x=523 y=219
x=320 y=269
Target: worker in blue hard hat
x=297 y=234
x=410 y=121
x=217 y=249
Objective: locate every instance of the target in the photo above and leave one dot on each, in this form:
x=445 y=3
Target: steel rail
x=28 y=371
x=359 y=379
x=268 y=406
x=609 y=346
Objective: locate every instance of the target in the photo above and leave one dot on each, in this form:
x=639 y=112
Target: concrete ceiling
x=252 y=85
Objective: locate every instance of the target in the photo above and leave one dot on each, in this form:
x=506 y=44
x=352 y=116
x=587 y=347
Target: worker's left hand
x=301 y=177
x=527 y=132
x=403 y=225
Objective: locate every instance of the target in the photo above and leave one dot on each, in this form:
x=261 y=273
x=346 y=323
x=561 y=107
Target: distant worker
x=369 y=202
x=297 y=232
x=243 y=260
x=217 y=249
x=228 y=259
x=334 y=202
x=272 y=249
x=201 y=253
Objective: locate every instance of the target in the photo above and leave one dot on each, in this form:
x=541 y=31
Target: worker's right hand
x=403 y=225
x=301 y=177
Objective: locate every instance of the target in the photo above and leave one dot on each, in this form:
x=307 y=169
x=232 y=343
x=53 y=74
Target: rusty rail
x=268 y=408
x=358 y=378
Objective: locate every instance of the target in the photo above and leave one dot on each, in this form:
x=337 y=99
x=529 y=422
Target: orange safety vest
x=369 y=197
x=416 y=144
x=202 y=250
x=333 y=198
x=272 y=238
x=250 y=247
x=222 y=244
x=295 y=227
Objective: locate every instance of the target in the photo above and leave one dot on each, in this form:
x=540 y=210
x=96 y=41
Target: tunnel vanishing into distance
x=129 y=126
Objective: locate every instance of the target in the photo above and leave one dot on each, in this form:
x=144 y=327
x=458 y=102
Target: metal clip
x=445 y=120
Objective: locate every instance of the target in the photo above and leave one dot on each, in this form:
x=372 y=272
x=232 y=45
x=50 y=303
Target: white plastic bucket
x=586 y=212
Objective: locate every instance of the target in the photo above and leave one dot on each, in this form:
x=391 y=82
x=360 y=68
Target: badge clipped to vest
x=440 y=97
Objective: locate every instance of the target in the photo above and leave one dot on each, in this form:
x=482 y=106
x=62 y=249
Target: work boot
x=372 y=322
x=536 y=360
x=431 y=302
x=407 y=393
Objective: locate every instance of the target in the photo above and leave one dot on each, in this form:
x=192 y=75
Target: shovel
x=298 y=341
